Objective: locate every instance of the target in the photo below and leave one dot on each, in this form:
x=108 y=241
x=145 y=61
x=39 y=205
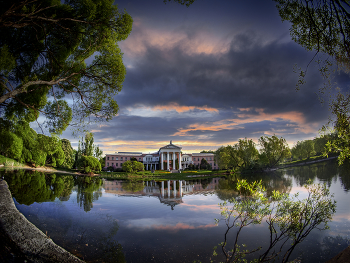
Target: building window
x=107 y=157
x=210 y=158
x=116 y=164
x=139 y=159
x=121 y=158
x=116 y=158
x=112 y=158
x=112 y=164
x=107 y=164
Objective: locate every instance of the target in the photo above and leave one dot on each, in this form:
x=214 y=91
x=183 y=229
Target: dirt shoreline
x=43 y=169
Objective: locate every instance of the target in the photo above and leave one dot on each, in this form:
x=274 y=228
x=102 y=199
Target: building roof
x=126 y=153
x=170 y=146
x=202 y=154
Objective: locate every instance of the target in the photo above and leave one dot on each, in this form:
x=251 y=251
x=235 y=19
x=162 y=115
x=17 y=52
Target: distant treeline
x=273 y=151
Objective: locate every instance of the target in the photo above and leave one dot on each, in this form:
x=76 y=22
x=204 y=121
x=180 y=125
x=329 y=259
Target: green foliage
x=133 y=186
x=88 y=191
x=322 y=25
x=303 y=149
x=288 y=219
x=9 y=162
x=43 y=48
x=243 y=155
x=132 y=166
x=273 y=150
x=10 y=144
x=86 y=147
x=340 y=142
x=29 y=187
x=205 y=165
x=89 y=164
x=68 y=154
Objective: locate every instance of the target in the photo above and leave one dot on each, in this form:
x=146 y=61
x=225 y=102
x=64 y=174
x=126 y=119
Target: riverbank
x=306 y=162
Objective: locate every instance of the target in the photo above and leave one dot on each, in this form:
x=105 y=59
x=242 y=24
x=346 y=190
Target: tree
x=10 y=144
x=243 y=155
x=44 y=48
x=273 y=150
x=68 y=154
x=205 y=165
x=228 y=157
x=86 y=147
x=248 y=153
x=132 y=166
x=288 y=219
x=341 y=142
x=304 y=149
x=89 y=164
x=320 y=143
x=324 y=26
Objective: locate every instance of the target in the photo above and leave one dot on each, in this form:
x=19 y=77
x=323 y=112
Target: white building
x=169 y=157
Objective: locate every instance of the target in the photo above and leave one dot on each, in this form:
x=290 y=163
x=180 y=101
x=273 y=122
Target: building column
x=167 y=161
x=180 y=165
x=174 y=167
x=174 y=183
x=161 y=160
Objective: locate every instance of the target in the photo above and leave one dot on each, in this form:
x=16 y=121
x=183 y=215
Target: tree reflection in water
x=28 y=187
x=88 y=191
x=273 y=181
x=133 y=186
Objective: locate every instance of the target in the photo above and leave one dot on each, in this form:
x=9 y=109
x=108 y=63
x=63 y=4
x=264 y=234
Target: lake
x=166 y=221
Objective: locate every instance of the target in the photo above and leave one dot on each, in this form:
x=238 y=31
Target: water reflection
x=33 y=186
x=168 y=221
x=168 y=192
x=88 y=190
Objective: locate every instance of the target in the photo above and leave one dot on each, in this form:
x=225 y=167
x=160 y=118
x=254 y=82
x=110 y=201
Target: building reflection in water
x=168 y=192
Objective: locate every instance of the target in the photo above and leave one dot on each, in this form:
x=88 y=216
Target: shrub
x=89 y=164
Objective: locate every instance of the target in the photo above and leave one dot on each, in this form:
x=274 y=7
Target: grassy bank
x=161 y=175
x=307 y=160
x=8 y=162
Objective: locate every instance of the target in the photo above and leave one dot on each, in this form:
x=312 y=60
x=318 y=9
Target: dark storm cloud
x=249 y=74
x=212 y=74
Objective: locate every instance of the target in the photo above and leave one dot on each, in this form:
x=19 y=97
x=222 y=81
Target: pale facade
x=169 y=157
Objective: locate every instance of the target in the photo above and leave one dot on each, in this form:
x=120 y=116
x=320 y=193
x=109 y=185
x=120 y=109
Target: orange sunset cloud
x=178 y=108
x=244 y=118
x=202 y=42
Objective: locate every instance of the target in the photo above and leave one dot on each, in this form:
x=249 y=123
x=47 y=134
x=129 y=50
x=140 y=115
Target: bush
x=132 y=166
x=89 y=164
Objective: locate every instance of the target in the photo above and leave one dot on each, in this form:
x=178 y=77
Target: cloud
x=174 y=228
x=204 y=83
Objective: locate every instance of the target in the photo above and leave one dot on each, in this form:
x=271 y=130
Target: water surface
x=170 y=221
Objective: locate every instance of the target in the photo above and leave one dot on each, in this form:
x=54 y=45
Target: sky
x=208 y=75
